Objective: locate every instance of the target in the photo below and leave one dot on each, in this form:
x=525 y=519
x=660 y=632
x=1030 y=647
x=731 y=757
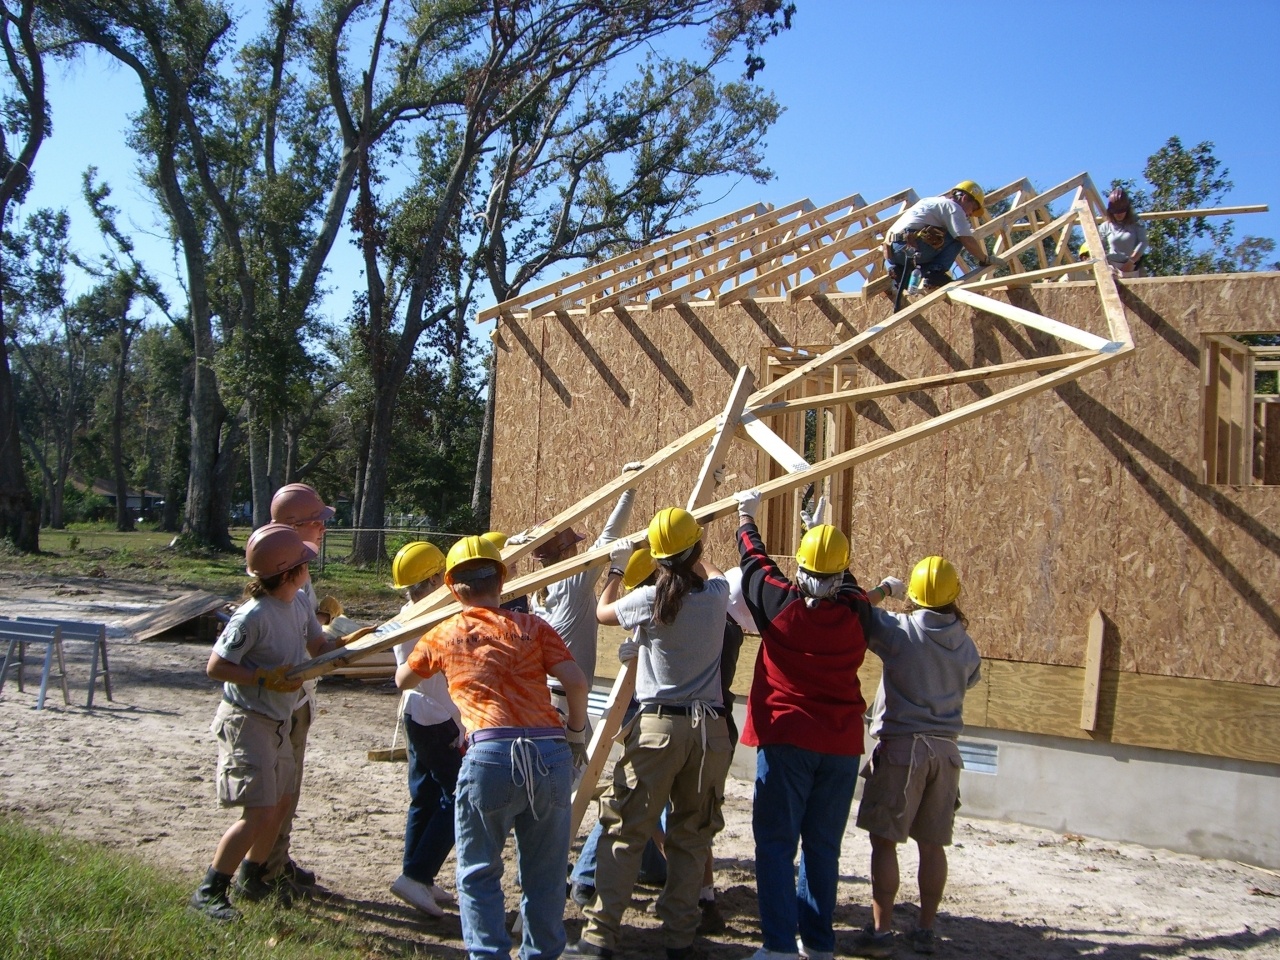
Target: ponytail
x=676 y=579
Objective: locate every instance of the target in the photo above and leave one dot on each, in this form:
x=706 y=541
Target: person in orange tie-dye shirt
x=517 y=772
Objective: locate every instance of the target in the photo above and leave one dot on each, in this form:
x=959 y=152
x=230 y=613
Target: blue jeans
x=434 y=761
x=801 y=798
x=928 y=259
x=525 y=785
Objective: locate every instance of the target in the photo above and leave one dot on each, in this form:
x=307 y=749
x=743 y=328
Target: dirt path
x=137 y=774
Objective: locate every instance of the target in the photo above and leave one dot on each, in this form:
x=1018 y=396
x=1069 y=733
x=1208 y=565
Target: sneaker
x=712 y=920
x=869 y=943
x=922 y=941
x=440 y=895
x=807 y=954
x=763 y=954
x=585 y=948
x=582 y=893
x=417 y=895
x=299 y=875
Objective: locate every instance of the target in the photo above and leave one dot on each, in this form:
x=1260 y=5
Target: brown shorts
x=912 y=790
x=255 y=758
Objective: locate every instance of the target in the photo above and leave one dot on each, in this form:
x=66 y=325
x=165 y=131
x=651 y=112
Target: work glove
x=894 y=587
x=628 y=650
x=813 y=519
x=748 y=504
x=276 y=679
x=633 y=465
x=355 y=635
x=620 y=553
x=718 y=474
x=577 y=740
x=518 y=538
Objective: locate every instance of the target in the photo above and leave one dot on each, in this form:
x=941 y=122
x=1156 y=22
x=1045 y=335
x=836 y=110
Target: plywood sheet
x=175 y=613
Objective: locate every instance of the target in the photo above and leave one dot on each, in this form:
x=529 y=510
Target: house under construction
x=1095 y=455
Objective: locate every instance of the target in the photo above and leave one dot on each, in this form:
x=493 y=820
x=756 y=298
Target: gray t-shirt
x=569 y=605
x=264 y=633
x=1122 y=240
x=679 y=662
x=306 y=598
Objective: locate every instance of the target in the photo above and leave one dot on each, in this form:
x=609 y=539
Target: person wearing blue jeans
x=931 y=233
x=523 y=785
x=518 y=770
x=804 y=716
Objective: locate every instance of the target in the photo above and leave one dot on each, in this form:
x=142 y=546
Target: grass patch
x=69 y=899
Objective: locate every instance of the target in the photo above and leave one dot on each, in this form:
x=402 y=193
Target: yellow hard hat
x=496 y=537
x=672 y=531
x=934 y=583
x=415 y=562
x=823 y=550
x=638 y=568
x=975 y=191
x=468 y=550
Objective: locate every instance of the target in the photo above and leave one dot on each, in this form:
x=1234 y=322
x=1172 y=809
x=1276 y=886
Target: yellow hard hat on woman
x=639 y=567
x=934 y=583
x=672 y=531
x=823 y=550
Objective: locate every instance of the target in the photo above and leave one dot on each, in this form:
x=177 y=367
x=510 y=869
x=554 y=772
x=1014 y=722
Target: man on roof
x=932 y=232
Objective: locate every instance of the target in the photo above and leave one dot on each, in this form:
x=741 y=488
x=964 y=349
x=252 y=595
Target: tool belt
x=931 y=236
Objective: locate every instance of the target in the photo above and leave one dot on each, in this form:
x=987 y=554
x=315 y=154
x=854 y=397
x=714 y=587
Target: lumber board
x=1201 y=212
x=1205 y=717
x=1029 y=277
x=1026 y=318
x=601 y=740
x=743 y=215
x=389 y=755
x=1092 y=671
x=772 y=444
x=743 y=386
x=1107 y=290
x=189 y=606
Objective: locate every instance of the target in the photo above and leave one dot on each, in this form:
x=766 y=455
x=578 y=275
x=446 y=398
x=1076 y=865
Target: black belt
x=673 y=709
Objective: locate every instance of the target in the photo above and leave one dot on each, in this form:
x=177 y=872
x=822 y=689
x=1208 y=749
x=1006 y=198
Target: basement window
x=1241 y=388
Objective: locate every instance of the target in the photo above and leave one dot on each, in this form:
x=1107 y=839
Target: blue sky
x=880 y=97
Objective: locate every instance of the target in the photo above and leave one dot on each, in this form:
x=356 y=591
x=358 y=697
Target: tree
x=1182 y=179
x=26 y=120
x=526 y=150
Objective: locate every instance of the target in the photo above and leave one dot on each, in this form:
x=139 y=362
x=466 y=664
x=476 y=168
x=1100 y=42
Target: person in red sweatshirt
x=804 y=716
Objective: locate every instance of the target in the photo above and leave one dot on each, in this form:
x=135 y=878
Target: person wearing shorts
x=913 y=780
x=257 y=772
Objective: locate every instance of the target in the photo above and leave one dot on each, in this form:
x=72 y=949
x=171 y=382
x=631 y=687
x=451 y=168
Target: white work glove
x=894 y=587
x=518 y=538
x=577 y=740
x=628 y=650
x=633 y=465
x=620 y=553
x=748 y=503
x=718 y=474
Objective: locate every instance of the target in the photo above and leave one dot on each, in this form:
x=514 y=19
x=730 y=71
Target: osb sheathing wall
x=1085 y=497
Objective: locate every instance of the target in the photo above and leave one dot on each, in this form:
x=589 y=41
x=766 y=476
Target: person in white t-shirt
x=931 y=233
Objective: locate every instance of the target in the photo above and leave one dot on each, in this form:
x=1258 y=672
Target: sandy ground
x=137 y=774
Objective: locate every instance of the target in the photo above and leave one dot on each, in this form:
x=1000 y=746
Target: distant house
x=141 y=503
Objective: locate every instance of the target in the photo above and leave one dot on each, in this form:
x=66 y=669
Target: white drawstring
x=699 y=711
x=526 y=760
x=927 y=739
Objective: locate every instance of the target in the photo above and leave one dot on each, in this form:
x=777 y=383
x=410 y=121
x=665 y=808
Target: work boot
x=299 y=875
x=582 y=893
x=211 y=899
x=252 y=886
x=873 y=943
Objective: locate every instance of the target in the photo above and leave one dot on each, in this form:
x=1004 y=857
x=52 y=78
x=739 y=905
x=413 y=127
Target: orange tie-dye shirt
x=496 y=662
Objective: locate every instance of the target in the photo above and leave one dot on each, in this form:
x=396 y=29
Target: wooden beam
x=1029 y=277
x=1108 y=293
x=615 y=709
x=1202 y=212
x=1026 y=318
x=1092 y=671
x=897 y=387
x=564 y=284
x=726 y=426
x=773 y=445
